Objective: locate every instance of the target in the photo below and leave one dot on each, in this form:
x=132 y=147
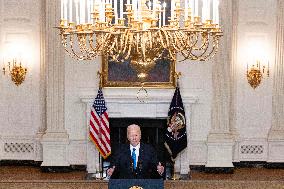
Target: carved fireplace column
x=55 y=139
x=276 y=133
x=220 y=140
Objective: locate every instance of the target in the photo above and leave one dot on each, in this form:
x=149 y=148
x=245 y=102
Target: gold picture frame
x=122 y=75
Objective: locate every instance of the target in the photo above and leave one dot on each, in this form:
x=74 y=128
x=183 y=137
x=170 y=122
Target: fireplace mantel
x=129 y=106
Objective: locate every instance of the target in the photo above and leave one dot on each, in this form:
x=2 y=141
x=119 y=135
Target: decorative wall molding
x=17 y=148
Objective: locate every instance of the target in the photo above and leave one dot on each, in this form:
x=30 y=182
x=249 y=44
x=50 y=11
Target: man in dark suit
x=135 y=160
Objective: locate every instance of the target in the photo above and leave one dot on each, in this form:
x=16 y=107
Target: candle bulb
x=77 y=12
x=191 y=5
x=65 y=10
x=217 y=12
x=196 y=7
x=139 y=10
x=121 y=9
x=91 y=10
x=160 y=15
x=134 y=7
x=204 y=10
x=209 y=11
x=214 y=11
x=185 y=9
x=115 y=11
x=62 y=13
x=172 y=9
x=70 y=10
x=164 y=14
x=88 y=12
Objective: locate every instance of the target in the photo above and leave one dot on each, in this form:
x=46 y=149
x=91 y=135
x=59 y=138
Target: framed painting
x=121 y=74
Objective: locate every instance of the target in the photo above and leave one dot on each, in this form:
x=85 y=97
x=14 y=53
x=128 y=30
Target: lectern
x=136 y=183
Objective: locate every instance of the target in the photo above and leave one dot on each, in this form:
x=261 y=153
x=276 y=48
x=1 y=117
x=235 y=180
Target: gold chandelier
x=142 y=31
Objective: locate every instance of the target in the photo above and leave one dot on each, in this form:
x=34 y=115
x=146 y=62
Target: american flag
x=99 y=125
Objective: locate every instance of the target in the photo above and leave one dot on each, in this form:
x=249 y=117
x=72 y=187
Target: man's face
x=134 y=135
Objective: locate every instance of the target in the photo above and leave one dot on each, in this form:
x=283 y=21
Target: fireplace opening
x=152 y=132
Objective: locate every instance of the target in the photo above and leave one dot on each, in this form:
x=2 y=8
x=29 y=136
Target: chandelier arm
x=204 y=43
x=174 y=42
x=144 y=46
x=81 y=46
x=97 y=48
x=194 y=38
x=214 y=49
x=65 y=44
x=79 y=57
x=161 y=34
x=129 y=45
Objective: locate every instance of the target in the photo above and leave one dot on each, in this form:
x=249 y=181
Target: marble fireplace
x=129 y=108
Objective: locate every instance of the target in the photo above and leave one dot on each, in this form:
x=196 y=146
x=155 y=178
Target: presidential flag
x=99 y=125
x=176 y=137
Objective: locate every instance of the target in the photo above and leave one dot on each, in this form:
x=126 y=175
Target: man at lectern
x=135 y=160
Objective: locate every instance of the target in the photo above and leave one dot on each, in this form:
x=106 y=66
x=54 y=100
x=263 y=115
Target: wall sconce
x=16 y=71
x=255 y=74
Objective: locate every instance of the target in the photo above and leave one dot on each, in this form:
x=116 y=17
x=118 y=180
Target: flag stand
x=174 y=177
x=100 y=166
x=101 y=79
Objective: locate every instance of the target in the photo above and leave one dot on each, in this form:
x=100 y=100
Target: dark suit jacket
x=146 y=165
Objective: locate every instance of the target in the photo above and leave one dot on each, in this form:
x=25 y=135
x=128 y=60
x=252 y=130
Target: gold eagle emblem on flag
x=175 y=123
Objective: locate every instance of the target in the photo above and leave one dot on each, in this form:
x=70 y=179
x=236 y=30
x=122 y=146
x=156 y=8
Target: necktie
x=134 y=158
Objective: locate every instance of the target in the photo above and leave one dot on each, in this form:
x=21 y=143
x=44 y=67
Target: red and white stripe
x=100 y=132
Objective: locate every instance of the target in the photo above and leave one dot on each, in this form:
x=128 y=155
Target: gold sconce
x=255 y=74
x=16 y=70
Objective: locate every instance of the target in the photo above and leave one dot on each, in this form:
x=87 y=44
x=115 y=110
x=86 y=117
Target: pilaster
x=55 y=140
x=276 y=133
x=220 y=140
x=42 y=128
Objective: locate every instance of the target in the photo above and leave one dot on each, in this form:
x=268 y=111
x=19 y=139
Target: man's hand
x=160 y=168
x=110 y=171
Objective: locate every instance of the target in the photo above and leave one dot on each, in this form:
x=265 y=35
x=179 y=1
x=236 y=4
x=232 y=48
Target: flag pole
x=177 y=76
x=175 y=176
x=101 y=79
x=99 y=73
x=100 y=166
x=174 y=171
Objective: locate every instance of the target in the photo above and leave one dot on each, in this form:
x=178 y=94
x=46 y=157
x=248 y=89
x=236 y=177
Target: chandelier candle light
x=140 y=30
